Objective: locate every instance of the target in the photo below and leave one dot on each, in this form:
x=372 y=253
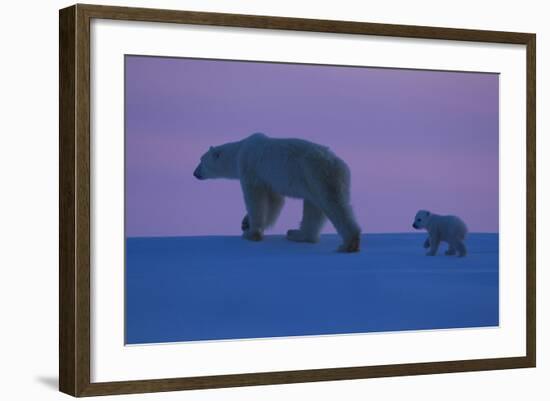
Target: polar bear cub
x=450 y=229
x=270 y=169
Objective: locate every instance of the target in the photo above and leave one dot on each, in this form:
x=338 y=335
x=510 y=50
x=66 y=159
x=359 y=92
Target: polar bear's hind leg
x=311 y=225
x=275 y=203
x=341 y=216
x=333 y=199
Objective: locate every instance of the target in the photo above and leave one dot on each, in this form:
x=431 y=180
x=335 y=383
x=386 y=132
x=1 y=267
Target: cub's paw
x=450 y=252
x=427 y=243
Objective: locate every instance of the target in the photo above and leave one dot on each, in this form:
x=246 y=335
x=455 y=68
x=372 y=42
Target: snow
x=208 y=288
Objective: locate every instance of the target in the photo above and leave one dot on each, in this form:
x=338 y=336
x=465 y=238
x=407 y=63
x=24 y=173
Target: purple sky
x=413 y=140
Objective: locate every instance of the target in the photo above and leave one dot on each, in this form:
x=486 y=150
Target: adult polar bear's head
x=218 y=162
x=421 y=219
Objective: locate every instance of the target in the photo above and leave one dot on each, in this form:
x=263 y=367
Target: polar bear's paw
x=253 y=235
x=351 y=246
x=245 y=225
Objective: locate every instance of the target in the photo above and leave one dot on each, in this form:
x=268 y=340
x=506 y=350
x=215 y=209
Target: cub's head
x=421 y=219
x=218 y=162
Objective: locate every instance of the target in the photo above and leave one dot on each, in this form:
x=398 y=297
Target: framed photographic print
x=250 y=200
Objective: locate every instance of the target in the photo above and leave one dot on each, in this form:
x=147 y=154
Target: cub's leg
x=434 y=245
x=452 y=250
x=311 y=225
x=427 y=243
x=461 y=248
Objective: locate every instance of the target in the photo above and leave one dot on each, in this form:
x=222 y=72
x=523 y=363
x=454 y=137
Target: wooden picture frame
x=74 y=200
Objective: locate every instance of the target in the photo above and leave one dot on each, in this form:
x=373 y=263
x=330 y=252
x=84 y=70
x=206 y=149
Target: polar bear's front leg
x=255 y=198
x=275 y=203
x=245 y=225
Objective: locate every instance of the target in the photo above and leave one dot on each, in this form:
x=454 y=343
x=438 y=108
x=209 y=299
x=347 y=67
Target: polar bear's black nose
x=197 y=173
x=414 y=225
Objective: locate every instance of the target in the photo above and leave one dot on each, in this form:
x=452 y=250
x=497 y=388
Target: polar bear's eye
x=418 y=219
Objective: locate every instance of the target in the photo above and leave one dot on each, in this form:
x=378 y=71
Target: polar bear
x=270 y=169
x=450 y=229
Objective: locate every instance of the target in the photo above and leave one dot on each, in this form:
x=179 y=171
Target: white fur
x=450 y=229
x=270 y=169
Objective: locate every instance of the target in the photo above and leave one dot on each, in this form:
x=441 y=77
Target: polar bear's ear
x=215 y=153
